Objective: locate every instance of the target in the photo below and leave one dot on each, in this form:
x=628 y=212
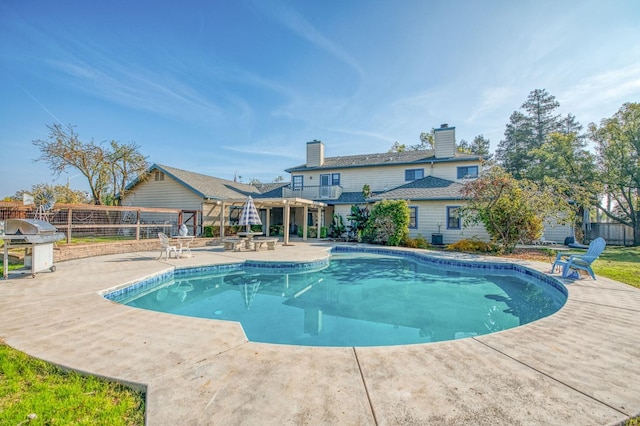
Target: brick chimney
x=315 y=154
x=444 y=141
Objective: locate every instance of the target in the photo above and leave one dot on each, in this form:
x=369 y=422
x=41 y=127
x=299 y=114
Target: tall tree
x=540 y=107
x=564 y=163
x=107 y=170
x=617 y=141
x=479 y=146
x=124 y=162
x=528 y=130
x=512 y=151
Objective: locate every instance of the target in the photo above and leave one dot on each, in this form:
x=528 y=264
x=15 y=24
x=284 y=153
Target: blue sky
x=220 y=87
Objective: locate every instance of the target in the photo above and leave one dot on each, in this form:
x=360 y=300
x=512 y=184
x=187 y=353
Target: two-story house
x=429 y=179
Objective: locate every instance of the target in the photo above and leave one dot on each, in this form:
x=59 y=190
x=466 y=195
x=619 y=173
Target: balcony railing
x=329 y=192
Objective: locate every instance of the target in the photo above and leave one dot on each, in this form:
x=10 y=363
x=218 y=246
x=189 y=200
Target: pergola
x=268 y=203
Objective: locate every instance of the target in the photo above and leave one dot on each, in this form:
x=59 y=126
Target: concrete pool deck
x=579 y=366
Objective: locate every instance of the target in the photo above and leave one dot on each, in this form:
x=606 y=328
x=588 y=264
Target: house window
x=413 y=217
x=467 y=172
x=335 y=179
x=453 y=217
x=413 y=174
x=159 y=176
x=297 y=182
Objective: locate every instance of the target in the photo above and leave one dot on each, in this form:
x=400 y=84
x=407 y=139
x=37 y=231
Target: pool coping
x=578 y=366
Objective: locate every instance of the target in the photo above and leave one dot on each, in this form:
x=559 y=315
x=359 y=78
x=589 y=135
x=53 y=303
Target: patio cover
x=285 y=203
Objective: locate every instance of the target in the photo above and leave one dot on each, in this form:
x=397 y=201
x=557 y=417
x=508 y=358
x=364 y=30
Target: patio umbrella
x=249 y=215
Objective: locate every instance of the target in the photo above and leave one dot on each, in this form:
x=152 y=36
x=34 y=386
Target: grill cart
x=37 y=238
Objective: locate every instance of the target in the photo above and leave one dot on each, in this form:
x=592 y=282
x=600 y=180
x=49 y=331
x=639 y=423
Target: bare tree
x=108 y=170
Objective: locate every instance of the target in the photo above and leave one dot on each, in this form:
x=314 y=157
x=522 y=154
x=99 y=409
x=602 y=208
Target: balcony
x=329 y=192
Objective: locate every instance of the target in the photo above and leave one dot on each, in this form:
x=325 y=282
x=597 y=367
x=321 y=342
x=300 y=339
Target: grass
x=96 y=239
x=30 y=387
x=617 y=263
x=620 y=264
x=11 y=267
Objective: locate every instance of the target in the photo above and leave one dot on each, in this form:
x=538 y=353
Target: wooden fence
x=613 y=233
x=85 y=220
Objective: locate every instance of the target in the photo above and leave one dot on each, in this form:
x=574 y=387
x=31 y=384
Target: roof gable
x=205 y=186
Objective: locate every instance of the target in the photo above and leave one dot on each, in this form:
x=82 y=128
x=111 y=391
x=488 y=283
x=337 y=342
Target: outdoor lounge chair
x=570 y=261
x=166 y=247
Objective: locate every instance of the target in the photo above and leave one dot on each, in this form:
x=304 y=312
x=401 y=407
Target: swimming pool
x=358 y=297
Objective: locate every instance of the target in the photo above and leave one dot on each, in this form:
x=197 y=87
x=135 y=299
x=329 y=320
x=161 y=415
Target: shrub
x=473 y=245
x=210 y=231
x=388 y=223
x=417 y=242
x=312 y=232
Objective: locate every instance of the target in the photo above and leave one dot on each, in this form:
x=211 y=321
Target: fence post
x=69 y=223
x=137 y=225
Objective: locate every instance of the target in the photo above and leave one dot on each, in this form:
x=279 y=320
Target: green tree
x=59 y=193
x=511 y=210
x=564 y=163
x=426 y=142
x=388 y=223
x=528 y=130
x=511 y=152
x=398 y=147
x=479 y=146
x=541 y=112
x=617 y=141
x=107 y=169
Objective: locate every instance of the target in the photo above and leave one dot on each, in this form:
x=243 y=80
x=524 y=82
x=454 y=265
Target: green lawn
x=30 y=387
x=620 y=264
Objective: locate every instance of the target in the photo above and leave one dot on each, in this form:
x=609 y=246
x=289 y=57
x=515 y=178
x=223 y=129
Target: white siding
x=380 y=178
x=556 y=233
x=432 y=213
x=166 y=193
x=315 y=154
x=445 y=142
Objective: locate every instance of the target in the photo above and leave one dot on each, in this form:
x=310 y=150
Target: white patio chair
x=165 y=247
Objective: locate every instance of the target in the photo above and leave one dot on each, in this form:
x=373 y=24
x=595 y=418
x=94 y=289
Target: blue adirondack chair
x=570 y=261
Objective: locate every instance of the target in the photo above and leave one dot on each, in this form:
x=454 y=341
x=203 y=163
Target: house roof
x=206 y=186
x=271 y=190
x=349 y=198
x=428 y=188
x=384 y=159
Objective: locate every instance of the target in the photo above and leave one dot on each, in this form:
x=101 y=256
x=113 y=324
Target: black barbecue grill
x=37 y=238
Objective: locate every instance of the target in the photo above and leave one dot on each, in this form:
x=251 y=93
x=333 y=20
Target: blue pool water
x=359 y=299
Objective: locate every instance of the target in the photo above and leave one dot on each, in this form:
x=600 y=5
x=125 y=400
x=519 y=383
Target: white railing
x=329 y=192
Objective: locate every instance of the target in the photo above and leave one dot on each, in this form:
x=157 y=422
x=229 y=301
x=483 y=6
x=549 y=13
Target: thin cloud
x=304 y=29
x=41 y=105
x=84 y=67
x=492 y=98
x=603 y=87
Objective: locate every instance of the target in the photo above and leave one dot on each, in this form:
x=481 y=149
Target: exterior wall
x=380 y=178
x=165 y=193
x=556 y=233
x=432 y=213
